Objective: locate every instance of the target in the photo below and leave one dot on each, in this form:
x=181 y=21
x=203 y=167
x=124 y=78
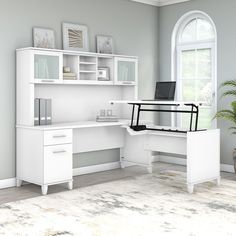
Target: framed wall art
x=105 y=44
x=43 y=38
x=75 y=37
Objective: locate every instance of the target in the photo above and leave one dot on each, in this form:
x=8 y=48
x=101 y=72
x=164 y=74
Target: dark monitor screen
x=165 y=91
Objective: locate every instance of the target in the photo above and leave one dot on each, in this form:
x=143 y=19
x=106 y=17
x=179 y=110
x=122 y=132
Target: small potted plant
x=229 y=114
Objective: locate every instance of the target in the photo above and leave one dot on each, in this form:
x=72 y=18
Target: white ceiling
x=160 y=3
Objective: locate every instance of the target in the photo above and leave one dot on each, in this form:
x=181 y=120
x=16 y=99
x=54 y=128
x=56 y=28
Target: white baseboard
x=7 y=183
x=96 y=168
x=183 y=162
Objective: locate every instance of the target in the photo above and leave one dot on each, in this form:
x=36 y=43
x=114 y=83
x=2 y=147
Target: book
x=36 y=111
x=69 y=78
x=69 y=74
x=42 y=112
x=48 y=109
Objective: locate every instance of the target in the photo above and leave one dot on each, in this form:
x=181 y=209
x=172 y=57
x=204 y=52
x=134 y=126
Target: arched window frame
x=176 y=46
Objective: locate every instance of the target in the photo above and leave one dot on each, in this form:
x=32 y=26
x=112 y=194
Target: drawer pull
x=59 y=136
x=59 y=152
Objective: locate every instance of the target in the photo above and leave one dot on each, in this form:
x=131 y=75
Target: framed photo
x=105 y=44
x=103 y=73
x=75 y=37
x=43 y=38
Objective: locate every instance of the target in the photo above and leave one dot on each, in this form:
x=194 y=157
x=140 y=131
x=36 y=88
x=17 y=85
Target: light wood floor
x=30 y=190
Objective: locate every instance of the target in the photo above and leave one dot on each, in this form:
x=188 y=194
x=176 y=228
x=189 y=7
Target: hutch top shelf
x=53 y=66
x=68 y=52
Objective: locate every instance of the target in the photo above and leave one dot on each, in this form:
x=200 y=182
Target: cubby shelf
x=87 y=63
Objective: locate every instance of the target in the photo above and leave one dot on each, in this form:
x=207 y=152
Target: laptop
x=165 y=91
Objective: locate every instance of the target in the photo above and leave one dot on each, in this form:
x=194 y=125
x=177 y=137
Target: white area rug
x=148 y=205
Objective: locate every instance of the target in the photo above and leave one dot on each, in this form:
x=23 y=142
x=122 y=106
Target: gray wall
x=133 y=26
x=223 y=14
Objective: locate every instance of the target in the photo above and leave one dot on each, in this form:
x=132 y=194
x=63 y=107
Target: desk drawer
x=55 y=137
x=57 y=163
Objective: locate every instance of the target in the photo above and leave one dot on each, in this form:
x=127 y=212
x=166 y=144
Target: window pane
x=204 y=30
x=204 y=90
x=197 y=90
x=204 y=68
x=205 y=119
x=188 y=64
x=188 y=90
x=190 y=32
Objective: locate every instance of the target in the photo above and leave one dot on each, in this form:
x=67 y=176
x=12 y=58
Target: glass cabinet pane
x=126 y=71
x=46 y=67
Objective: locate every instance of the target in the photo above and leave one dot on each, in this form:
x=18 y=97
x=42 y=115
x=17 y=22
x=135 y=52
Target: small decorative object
x=109 y=112
x=43 y=38
x=106 y=116
x=103 y=73
x=229 y=114
x=105 y=44
x=75 y=37
x=67 y=74
x=66 y=69
x=103 y=112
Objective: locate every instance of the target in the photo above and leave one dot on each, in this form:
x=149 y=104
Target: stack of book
x=69 y=76
x=107 y=119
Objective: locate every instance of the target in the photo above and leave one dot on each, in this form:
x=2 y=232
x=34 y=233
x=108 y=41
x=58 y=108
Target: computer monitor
x=165 y=91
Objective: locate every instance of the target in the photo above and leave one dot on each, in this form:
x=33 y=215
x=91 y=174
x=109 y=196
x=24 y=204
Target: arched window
x=194 y=65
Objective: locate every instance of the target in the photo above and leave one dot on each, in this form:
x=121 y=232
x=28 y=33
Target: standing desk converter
x=201 y=147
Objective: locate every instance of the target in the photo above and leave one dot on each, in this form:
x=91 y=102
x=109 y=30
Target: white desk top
x=180 y=103
x=75 y=125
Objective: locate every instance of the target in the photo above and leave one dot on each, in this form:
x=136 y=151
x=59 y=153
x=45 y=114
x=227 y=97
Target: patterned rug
x=147 y=205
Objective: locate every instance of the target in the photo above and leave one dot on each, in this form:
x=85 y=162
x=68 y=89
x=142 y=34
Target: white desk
x=202 y=148
x=44 y=153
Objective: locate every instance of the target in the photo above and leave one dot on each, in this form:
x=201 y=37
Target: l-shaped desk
x=44 y=153
x=201 y=147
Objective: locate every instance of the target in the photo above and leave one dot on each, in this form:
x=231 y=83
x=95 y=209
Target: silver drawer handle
x=59 y=152
x=59 y=136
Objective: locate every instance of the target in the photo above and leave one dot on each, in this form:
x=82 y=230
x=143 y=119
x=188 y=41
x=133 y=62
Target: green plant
x=227 y=114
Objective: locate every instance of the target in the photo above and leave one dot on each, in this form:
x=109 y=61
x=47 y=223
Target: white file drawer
x=54 y=137
x=57 y=163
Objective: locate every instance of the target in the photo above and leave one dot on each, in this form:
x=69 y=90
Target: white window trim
x=175 y=65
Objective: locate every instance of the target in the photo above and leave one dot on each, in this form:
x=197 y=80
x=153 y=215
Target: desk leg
x=190 y=188
x=218 y=180
x=132 y=117
x=18 y=182
x=137 y=122
x=44 y=189
x=70 y=185
x=150 y=161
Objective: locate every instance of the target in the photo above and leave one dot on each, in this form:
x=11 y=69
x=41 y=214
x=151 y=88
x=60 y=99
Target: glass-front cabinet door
x=126 y=71
x=48 y=67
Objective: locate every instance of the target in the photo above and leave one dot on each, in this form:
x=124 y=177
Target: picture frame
x=105 y=44
x=43 y=38
x=103 y=73
x=75 y=37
